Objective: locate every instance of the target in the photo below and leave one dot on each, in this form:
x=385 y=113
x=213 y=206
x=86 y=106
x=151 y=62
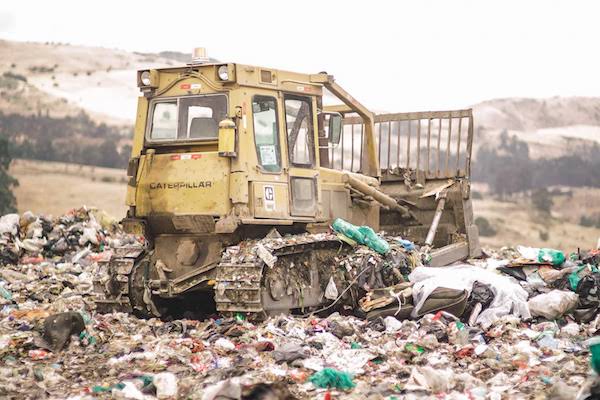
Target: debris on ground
x=520 y=324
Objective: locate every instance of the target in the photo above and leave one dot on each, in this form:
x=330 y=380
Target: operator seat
x=203 y=128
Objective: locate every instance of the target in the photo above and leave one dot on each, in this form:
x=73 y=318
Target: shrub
x=542 y=200
x=12 y=75
x=586 y=221
x=7 y=182
x=484 y=226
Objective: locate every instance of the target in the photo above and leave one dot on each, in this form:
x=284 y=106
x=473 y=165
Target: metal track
x=239 y=275
x=239 y=281
x=111 y=282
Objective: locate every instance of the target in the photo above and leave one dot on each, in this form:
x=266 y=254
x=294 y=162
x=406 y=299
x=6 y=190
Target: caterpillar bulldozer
x=223 y=153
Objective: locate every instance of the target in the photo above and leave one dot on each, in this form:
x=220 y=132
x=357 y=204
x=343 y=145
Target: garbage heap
x=515 y=325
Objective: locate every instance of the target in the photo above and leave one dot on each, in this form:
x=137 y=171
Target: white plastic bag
x=509 y=296
x=166 y=385
x=553 y=304
x=89 y=235
x=9 y=223
x=530 y=253
x=392 y=324
x=331 y=292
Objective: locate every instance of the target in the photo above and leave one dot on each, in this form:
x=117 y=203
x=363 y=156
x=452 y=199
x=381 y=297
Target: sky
x=391 y=55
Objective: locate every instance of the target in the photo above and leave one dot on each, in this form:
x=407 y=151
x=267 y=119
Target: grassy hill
x=61 y=79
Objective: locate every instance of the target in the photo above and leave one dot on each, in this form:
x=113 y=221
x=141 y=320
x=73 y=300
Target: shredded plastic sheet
x=332 y=378
x=509 y=297
x=553 y=304
x=9 y=223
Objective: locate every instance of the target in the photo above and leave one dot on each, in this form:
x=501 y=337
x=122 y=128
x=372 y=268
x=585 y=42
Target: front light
x=145 y=78
x=223 y=73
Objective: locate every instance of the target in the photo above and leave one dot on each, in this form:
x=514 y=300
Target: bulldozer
x=224 y=153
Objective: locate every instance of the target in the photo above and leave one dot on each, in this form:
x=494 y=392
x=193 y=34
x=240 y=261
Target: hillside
x=524 y=114
x=552 y=127
x=61 y=79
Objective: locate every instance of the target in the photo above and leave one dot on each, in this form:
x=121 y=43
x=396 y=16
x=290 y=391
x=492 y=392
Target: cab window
x=300 y=133
x=164 y=121
x=188 y=118
x=266 y=133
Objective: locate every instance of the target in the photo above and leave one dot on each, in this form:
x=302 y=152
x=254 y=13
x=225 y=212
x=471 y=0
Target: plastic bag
x=553 y=304
x=509 y=297
x=9 y=223
x=594 y=344
x=348 y=229
x=392 y=324
x=430 y=379
x=373 y=241
x=555 y=257
x=361 y=234
x=332 y=378
x=166 y=385
x=576 y=276
x=331 y=292
x=530 y=253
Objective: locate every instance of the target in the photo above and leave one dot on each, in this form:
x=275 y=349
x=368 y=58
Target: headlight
x=223 y=73
x=145 y=78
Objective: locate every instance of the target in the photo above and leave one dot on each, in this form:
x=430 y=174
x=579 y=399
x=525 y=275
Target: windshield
x=187 y=118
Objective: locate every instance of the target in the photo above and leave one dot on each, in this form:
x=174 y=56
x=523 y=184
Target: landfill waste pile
x=521 y=323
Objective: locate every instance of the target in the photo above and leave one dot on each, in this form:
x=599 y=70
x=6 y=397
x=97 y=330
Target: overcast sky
x=392 y=55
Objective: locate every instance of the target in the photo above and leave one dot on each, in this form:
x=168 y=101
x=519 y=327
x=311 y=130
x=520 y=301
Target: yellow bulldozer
x=224 y=153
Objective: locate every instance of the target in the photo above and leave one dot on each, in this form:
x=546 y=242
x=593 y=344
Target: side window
x=266 y=133
x=164 y=121
x=300 y=133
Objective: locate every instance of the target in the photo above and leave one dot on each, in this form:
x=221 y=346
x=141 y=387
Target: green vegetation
x=475 y=195
x=42 y=69
x=69 y=139
x=15 y=76
x=485 y=228
x=542 y=200
x=508 y=169
x=590 y=221
x=7 y=182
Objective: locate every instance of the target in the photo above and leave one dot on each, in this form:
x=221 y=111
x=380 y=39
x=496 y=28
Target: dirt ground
x=53 y=188
x=518 y=222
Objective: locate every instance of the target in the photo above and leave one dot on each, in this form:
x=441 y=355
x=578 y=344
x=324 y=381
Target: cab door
x=302 y=173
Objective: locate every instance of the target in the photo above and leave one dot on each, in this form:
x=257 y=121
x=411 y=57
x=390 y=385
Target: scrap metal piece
x=436 y=218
